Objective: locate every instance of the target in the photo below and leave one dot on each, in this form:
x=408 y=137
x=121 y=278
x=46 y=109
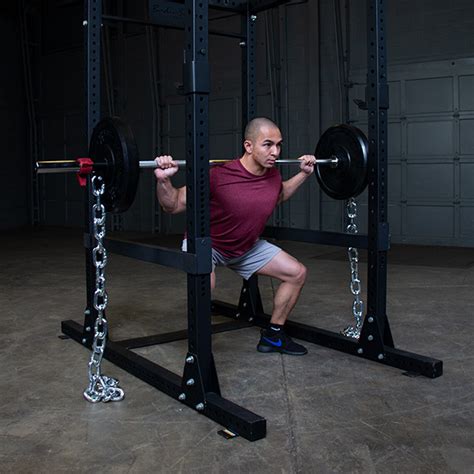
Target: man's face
x=266 y=148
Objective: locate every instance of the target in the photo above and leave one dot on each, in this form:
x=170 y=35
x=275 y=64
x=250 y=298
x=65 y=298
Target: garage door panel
x=394 y=182
x=429 y=95
x=430 y=221
x=430 y=138
x=466 y=136
x=395 y=218
x=431 y=181
x=467 y=181
x=394 y=139
x=466 y=92
x=430 y=151
x=467 y=221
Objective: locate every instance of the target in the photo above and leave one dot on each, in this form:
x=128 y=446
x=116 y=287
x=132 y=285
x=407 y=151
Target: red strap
x=85 y=168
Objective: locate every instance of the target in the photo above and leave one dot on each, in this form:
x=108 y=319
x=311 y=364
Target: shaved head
x=255 y=125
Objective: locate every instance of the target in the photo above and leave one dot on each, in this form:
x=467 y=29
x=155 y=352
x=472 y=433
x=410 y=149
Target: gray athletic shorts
x=248 y=263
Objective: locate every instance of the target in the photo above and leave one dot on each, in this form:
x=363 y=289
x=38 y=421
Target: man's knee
x=297 y=275
x=300 y=276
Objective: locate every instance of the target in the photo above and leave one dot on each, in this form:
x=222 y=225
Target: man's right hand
x=166 y=167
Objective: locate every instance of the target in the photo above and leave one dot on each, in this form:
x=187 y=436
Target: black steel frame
x=92 y=48
x=199 y=387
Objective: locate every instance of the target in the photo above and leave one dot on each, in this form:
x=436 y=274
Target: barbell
x=72 y=166
x=341 y=162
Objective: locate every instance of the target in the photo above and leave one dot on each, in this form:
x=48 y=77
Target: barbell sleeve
x=62 y=166
x=57 y=166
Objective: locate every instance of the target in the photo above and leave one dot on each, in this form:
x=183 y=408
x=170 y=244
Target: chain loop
x=355 y=285
x=101 y=387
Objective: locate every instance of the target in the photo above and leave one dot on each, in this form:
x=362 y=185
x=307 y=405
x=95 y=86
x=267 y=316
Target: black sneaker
x=280 y=342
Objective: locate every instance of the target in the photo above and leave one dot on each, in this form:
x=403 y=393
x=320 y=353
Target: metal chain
x=355 y=286
x=101 y=387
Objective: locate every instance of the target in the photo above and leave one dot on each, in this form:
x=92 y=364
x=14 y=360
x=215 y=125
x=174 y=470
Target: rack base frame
x=224 y=412
x=412 y=363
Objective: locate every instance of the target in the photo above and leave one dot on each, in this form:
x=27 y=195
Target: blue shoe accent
x=273 y=343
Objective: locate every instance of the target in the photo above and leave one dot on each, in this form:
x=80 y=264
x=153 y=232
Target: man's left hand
x=307 y=163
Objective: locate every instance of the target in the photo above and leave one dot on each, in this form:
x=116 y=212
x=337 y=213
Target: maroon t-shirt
x=241 y=204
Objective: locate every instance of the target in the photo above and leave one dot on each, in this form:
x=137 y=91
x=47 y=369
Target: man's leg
x=292 y=275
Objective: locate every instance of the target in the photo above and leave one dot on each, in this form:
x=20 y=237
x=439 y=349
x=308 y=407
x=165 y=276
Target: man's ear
x=248 y=146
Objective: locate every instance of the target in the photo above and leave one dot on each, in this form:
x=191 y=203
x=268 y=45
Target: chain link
x=355 y=285
x=101 y=387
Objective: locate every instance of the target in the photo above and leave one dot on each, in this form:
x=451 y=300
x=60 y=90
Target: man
x=243 y=195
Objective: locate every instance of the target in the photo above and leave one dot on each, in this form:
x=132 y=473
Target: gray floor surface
x=326 y=412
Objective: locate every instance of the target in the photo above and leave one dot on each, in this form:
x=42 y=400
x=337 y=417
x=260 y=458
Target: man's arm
x=171 y=199
x=290 y=186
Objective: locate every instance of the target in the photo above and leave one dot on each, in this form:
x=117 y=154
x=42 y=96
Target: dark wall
x=298 y=84
x=14 y=190
x=418 y=30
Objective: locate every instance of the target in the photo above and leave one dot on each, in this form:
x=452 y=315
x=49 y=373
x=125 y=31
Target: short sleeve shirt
x=241 y=204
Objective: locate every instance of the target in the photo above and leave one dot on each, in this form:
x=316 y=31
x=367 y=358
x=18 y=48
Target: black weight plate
x=349 y=178
x=115 y=154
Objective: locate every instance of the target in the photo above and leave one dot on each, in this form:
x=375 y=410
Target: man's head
x=263 y=141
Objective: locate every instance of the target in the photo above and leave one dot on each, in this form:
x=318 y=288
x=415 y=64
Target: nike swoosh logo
x=273 y=343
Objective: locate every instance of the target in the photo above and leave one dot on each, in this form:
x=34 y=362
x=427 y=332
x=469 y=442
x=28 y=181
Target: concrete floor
x=326 y=412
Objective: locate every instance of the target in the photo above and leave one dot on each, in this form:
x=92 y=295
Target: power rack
x=198 y=387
